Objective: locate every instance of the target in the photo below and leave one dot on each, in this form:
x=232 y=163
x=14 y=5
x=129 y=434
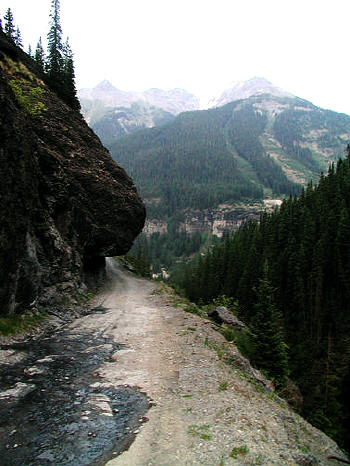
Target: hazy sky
x=302 y=46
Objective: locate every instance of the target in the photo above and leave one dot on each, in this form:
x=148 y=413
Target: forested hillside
x=296 y=262
x=248 y=149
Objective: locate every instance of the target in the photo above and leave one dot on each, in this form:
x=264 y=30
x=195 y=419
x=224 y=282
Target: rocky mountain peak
x=174 y=101
x=245 y=89
x=106 y=85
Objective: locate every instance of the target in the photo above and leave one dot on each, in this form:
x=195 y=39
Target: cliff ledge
x=64 y=203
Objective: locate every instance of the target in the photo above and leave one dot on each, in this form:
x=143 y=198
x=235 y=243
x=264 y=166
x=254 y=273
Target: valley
x=207 y=171
x=206 y=174
x=76 y=385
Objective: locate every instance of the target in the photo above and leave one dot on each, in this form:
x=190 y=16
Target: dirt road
x=139 y=367
x=207 y=412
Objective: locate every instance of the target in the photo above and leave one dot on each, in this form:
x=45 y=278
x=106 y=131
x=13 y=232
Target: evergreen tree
x=1 y=25
x=69 y=77
x=59 y=65
x=269 y=348
x=39 y=55
x=30 y=53
x=18 y=38
x=55 y=49
x=9 y=25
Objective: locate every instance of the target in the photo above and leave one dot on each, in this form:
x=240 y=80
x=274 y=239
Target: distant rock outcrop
x=65 y=204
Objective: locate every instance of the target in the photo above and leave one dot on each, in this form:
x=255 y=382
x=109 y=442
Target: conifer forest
x=290 y=274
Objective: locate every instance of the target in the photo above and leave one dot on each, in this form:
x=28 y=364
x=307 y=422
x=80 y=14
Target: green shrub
x=244 y=343
x=226 y=301
x=228 y=332
x=28 y=96
x=193 y=309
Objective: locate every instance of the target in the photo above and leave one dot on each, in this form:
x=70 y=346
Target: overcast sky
x=202 y=46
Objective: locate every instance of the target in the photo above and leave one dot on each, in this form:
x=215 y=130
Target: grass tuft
x=200 y=431
x=223 y=385
x=17 y=323
x=239 y=451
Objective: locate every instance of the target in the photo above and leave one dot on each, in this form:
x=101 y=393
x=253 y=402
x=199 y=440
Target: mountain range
x=105 y=94
x=253 y=148
x=262 y=143
x=113 y=113
x=173 y=101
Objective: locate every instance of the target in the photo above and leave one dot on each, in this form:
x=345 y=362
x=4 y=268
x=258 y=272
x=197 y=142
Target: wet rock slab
x=55 y=410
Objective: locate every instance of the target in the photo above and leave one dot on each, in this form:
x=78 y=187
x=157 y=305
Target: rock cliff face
x=64 y=203
x=214 y=221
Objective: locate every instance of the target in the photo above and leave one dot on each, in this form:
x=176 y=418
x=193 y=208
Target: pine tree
x=59 y=65
x=269 y=348
x=9 y=25
x=30 y=52
x=55 y=49
x=1 y=29
x=69 y=77
x=18 y=38
x=39 y=55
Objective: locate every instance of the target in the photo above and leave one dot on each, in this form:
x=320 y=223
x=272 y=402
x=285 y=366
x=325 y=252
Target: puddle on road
x=68 y=417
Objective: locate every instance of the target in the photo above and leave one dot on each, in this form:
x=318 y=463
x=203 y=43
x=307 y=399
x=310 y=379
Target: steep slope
x=249 y=149
x=65 y=204
x=211 y=408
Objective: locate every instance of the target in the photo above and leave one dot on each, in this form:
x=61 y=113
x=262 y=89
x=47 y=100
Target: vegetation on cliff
x=58 y=66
